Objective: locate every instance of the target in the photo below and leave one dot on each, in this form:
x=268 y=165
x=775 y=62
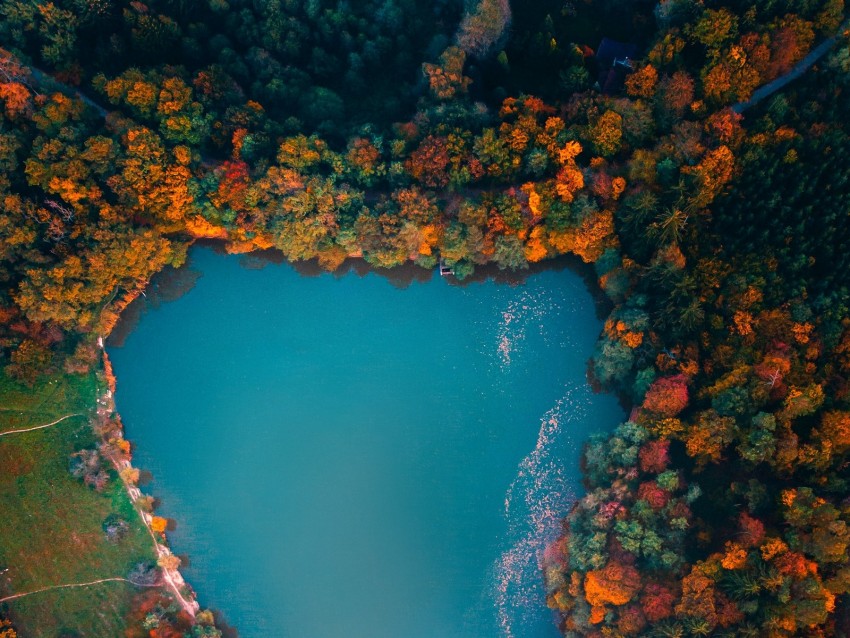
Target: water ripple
x=530 y=308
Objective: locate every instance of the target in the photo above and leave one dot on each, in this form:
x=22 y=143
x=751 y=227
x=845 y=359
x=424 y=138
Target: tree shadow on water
x=227 y=631
x=407 y=274
x=167 y=285
x=172 y=283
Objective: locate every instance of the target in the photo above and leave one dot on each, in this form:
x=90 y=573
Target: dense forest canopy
x=482 y=133
x=316 y=65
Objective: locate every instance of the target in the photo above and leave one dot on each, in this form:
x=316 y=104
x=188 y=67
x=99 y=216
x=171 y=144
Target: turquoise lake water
x=347 y=458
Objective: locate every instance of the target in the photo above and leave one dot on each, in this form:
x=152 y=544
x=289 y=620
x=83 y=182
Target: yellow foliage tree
x=159 y=524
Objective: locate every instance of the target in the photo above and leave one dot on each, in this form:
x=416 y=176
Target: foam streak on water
x=536 y=502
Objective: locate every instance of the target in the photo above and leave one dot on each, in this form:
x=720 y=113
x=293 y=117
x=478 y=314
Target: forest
x=476 y=134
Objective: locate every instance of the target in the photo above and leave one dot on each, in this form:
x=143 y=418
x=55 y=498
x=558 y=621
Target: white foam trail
x=536 y=502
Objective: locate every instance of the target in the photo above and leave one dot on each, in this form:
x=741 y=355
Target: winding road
x=799 y=69
x=758 y=95
x=44 y=78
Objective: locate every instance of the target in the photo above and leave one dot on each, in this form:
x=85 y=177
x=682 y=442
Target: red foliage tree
x=654 y=456
x=657 y=602
x=667 y=396
x=654 y=494
x=676 y=92
x=751 y=530
x=631 y=621
x=428 y=164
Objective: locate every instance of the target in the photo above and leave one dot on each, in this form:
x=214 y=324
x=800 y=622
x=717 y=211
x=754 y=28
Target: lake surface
x=346 y=458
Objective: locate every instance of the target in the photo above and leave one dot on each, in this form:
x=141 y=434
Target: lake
x=348 y=458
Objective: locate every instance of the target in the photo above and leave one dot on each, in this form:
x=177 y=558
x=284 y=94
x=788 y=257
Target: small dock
x=445 y=269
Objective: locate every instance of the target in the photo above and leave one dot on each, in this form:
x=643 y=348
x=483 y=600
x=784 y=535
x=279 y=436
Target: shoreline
x=172 y=579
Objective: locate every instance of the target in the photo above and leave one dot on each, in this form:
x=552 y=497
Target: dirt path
x=44 y=78
x=39 y=427
x=93 y=582
x=171 y=578
x=799 y=69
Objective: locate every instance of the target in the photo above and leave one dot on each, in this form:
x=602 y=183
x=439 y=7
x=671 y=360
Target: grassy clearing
x=53 y=533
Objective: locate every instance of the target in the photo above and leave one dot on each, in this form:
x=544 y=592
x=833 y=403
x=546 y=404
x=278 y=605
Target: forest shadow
x=172 y=283
x=167 y=285
x=404 y=276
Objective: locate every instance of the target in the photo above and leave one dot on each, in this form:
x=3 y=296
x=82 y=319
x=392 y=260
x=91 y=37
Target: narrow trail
x=113 y=579
x=39 y=427
x=799 y=69
x=171 y=577
x=43 y=78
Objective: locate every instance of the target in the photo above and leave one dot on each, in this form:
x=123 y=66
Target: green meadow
x=53 y=532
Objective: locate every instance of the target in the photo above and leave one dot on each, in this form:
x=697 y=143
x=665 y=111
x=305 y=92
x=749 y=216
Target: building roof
x=610 y=50
x=614 y=63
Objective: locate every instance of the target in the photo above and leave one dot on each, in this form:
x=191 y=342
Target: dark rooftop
x=610 y=51
x=614 y=61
